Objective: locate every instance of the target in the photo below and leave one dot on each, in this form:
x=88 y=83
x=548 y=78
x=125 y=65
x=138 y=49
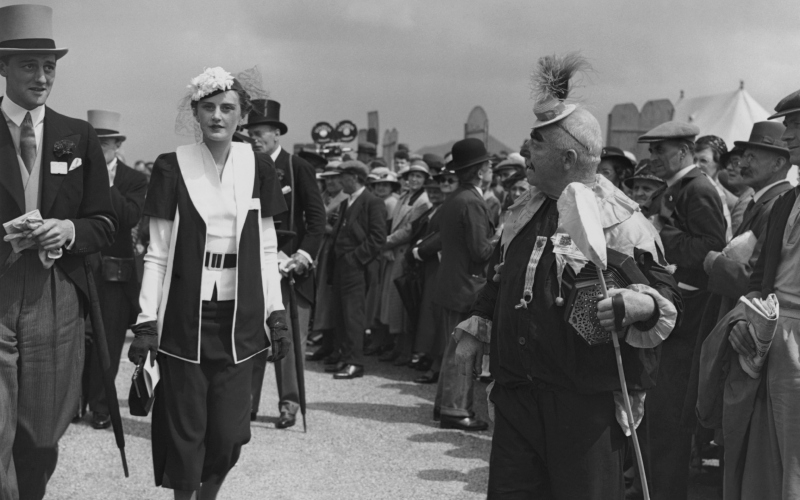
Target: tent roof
x=730 y=115
x=494 y=147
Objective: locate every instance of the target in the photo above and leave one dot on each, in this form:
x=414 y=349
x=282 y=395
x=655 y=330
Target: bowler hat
x=266 y=112
x=356 y=168
x=766 y=135
x=27 y=29
x=788 y=105
x=467 y=153
x=671 y=131
x=105 y=123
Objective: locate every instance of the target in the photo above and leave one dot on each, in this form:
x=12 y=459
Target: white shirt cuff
x=71 y=243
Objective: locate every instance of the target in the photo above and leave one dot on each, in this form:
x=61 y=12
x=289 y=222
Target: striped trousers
x=41 y=360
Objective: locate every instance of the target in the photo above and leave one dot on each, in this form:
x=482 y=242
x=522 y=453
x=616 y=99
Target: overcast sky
x=423 y=65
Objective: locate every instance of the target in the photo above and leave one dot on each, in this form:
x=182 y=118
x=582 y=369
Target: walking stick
x=101 y=342
x=298 y=348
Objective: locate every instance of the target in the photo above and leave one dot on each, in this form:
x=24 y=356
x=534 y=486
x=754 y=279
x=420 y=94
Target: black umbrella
x=99 y=332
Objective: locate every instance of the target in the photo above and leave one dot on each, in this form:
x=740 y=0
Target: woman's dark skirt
x=201 y=414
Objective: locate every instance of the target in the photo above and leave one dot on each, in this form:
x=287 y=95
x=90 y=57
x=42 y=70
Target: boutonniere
x=63 y=148
x=279 y=173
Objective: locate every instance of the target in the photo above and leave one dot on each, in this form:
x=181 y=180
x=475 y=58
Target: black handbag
x=139 y=401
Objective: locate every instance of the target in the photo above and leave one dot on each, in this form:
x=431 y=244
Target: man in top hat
x=115 y=274
x=767 y=464
x=306 y=219
x=359 y=234
x=691 y=224
x=556 y=397
x=466 y=233
x=54 y=164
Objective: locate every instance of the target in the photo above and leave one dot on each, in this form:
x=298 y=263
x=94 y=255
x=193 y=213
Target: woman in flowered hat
x=210 y=292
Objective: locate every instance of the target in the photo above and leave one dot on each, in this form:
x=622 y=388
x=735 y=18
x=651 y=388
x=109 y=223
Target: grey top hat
x=106 y=123
x=27 y=29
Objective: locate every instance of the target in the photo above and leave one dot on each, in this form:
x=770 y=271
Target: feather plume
x=551 y=78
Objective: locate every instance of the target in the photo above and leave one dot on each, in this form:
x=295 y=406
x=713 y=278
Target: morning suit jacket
x=730 y=278
x=81 y=195
x=763 y=278
x=693 y=226
x=309 y=215
x=466 y=230
x=361 y=229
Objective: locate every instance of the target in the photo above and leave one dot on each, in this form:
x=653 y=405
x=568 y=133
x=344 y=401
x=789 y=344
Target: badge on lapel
x=58 y=168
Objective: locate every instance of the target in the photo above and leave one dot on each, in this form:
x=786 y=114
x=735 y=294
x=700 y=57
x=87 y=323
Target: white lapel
x=244 y=171
x=197 y=168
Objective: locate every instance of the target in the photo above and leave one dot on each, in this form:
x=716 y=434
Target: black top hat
x=467 y=153
x=266 y=112
x=766 y=135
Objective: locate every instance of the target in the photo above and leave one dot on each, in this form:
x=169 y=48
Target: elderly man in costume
x=690 y=220
x=306 y=219
x=558 y=430
x=759 y=418
x=117 y=278
x=53 y=164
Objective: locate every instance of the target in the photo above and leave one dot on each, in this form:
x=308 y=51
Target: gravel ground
x=370 y=438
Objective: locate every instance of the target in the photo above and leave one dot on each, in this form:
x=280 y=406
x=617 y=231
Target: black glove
x=279 y=333
x=146 y=340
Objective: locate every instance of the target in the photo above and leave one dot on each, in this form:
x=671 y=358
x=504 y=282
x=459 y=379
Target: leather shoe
x=286 y=420
x=373 y=350
x=337 y=367
x=463 y=423
x=388 y=356
x=348 y=372
x=332 y=358
x=319 y=355
x=100 y=420
x=428 y=378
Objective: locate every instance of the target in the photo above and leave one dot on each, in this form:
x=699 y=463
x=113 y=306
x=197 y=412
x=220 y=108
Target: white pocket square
x=76 y=162
x=255 y=204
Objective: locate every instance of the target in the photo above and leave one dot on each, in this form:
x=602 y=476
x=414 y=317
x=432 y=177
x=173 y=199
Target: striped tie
x=27 y=142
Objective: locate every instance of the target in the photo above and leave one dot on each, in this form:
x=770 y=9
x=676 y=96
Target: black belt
x=220 y=260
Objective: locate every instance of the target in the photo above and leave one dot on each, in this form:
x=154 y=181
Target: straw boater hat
x=106 y=123
x=27 y=29
x=266 y=112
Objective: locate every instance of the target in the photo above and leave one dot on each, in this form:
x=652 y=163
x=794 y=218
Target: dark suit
x=118 y=299
x=466 y=232
x=763 y=278
x=305 y=201
x=358 y=237
x=41 y=308
x=426 y=238
x=691 y=211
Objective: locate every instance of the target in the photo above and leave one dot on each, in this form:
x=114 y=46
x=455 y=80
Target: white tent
x=730 y=115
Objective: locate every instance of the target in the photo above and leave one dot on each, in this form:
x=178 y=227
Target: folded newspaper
x=17 y=231
x=762 y=321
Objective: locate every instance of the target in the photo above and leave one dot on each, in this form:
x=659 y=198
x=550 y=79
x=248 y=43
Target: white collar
x=16 y=113
x=356 y=194
x=275 y=153
x=766 y=188
x=111 y=166
x=679 y=175
x=478 y=189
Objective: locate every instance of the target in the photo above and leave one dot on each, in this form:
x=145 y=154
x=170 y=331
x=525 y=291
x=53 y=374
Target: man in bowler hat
x=54 y=164
x=116 y=275
x=299 y=186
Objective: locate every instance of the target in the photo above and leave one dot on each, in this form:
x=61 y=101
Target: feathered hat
x=550 y=84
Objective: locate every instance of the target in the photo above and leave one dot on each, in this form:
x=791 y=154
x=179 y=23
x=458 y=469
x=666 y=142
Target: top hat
x=766 y=135
x=788 y=105
x=266 y=112
x=468 y=152
x=27 y=29
x=105 y=123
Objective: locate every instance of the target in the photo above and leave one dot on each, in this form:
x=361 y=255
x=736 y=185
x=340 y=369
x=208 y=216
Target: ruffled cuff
x=637 y=407
x=667 y=316
x=480 y=328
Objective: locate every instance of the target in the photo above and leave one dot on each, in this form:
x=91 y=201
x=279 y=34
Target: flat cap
x=354 y=167
x=671 y=131
x=367 y=147
x=789 y=104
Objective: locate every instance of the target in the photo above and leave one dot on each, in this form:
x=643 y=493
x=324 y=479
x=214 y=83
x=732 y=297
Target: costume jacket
x=80 y=195
x=534 y=344
x=693 y=225
x=309 y=215
x=465 y=229
x=181 y=187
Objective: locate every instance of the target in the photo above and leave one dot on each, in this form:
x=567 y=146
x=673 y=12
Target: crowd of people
x=233 y=252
